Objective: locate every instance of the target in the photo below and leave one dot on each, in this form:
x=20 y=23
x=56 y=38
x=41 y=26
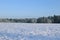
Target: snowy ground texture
x=31 y=31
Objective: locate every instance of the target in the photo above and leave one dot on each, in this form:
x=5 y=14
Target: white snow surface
x=29 y=31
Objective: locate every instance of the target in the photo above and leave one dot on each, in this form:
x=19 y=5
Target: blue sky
x=28 y=8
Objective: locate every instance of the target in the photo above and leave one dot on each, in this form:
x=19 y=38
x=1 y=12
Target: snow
x=29 y=31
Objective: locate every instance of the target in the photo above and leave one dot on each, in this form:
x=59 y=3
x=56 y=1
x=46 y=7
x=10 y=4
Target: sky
x=29 y=8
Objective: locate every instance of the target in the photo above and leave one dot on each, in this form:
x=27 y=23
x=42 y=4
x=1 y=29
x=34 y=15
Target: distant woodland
x=49 y=19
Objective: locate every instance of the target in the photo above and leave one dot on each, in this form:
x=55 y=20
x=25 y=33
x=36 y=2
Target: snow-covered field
x=29 y=31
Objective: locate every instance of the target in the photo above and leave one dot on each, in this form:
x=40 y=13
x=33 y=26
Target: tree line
x=49 y=19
